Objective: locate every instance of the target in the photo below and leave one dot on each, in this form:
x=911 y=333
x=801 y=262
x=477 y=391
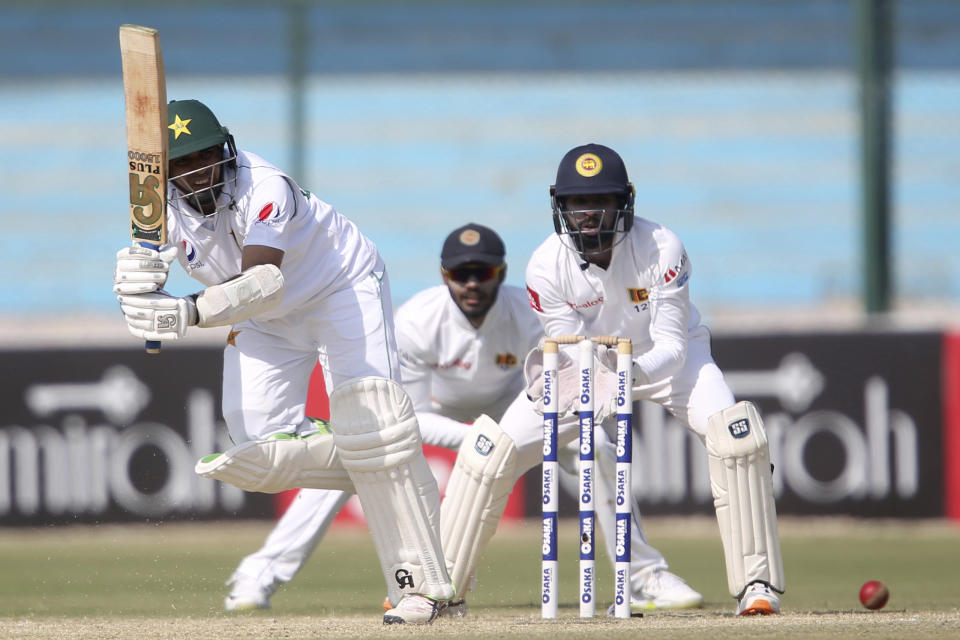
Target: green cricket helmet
x=193 y=127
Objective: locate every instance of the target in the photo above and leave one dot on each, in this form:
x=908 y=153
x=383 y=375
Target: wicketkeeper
x=606 y=271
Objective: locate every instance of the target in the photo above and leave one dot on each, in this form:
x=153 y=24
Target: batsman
x=297 y=282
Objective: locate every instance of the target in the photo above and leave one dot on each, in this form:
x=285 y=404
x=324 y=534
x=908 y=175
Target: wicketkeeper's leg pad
x=480 y=484
x=279 y=463
x=742 y=483
x=378 y=439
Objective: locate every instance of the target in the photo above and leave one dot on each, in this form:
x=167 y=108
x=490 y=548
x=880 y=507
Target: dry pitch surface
x=166 y=581
x=892 y=625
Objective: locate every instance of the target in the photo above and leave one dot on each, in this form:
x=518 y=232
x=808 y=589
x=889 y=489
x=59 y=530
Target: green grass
x=177 y=571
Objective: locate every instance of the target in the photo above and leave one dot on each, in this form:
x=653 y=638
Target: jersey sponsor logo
x=534 y=298
x=269 y=213
x=190 y=251
x=585 y=305
x=638 y=295
x=675 y=271
x=505 y=360
x=456 y=363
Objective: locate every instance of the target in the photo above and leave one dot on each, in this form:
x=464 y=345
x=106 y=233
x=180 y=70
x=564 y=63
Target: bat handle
x=152 y=346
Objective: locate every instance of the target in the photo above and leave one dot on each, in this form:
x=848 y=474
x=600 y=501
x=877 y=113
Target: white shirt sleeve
x=555 y=315
x=670 y=313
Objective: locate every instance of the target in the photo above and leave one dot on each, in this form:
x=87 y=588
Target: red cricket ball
x=874 y=594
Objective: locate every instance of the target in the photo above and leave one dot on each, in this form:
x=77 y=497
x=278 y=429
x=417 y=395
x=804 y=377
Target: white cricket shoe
x=414 y=608
x=758 y=600
x=663 y=590
x=247 y=595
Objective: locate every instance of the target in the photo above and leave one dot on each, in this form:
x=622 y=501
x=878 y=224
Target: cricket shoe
x=758 y=600
x=454 y=609
x=663 y=590
x=247 y=595
x=414 y=608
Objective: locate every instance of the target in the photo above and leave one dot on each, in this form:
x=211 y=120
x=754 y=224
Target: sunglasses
x=479 y=272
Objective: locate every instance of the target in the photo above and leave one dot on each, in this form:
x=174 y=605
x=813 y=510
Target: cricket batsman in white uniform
x=462 y=346
x=296 y=280
x=608 y=272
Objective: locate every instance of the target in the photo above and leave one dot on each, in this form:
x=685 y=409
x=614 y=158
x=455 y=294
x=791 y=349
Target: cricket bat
x=145 y=94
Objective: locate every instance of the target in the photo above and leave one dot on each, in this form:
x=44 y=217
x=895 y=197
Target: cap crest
x=470 y=237
x=588 y=165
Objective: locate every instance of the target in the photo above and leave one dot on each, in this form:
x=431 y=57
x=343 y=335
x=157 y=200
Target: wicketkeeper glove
x=568 y=382
x=142 y=270
x=158 y=315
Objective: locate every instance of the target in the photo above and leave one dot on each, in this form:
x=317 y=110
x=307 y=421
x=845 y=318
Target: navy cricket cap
x=472 y=243
x=591 y=169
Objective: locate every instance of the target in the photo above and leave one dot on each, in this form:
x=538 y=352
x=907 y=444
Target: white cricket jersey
x=323 y=251
x=454 y=369
x=643 y=295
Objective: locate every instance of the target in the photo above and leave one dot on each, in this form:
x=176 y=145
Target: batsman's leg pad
x=279 y=463
x=480 y=484
x=378 y=439
x=742 y=485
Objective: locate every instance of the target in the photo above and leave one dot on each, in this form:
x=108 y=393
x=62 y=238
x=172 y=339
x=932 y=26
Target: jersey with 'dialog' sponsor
x=643 y=295
x=323 y=250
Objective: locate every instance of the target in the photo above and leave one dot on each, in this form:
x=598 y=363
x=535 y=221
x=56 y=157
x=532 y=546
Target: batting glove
x=142 y=270
x=158 y=315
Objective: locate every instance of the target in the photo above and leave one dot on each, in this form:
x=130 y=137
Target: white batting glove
x=142 y=270
x=158 y=315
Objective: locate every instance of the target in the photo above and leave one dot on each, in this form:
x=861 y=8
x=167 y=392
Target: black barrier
x=854 y=422
x=112 y=435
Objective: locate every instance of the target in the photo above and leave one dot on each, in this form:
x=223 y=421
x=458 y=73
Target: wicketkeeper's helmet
x=592 y=169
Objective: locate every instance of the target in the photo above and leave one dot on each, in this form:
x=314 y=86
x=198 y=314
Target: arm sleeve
x=670 y=313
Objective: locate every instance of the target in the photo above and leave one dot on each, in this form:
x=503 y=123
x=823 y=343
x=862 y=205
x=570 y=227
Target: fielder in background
x=608 y=272
x=297 y=281
x=461 y=353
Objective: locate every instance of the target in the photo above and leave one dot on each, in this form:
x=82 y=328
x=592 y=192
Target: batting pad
x=279 y=463
x=742 y=485
x=377 y=436
x=477 y=493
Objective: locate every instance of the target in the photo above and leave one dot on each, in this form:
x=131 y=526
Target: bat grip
x=152 y=346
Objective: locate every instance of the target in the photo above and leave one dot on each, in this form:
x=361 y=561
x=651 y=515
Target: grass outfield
x=166 y=581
